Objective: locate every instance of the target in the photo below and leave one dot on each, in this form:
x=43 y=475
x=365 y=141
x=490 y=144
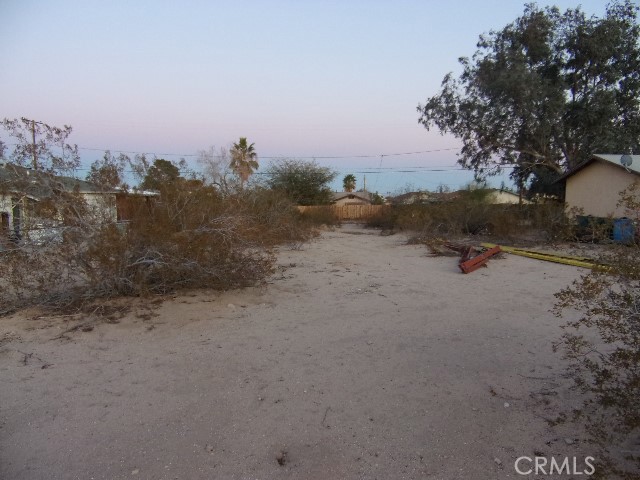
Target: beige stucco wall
x=502 y=197
x=596 y=189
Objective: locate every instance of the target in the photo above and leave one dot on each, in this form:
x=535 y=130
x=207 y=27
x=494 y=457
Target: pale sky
x=298 y=78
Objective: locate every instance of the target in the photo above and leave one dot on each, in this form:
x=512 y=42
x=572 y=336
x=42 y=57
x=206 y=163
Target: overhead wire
x=268 y=157
x=370 y=170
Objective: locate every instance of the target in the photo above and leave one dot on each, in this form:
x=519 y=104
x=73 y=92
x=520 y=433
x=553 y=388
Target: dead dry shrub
x=320 y=215
x=385 y=219
x=467 y=214
x=417 y=218
x=437 y=246
x=555 y=223
x=190 y=236
x=559 y=224
x=271 y=217
x=603 y=349
x=594 y=229
x=471 y=214
x=550 y=221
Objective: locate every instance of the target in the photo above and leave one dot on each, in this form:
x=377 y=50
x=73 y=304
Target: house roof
x=608 y=158
x=427 y=197
x=503 y=191
x=136 y=192
x=412 y=197
x=366 y=196
x=38 y=184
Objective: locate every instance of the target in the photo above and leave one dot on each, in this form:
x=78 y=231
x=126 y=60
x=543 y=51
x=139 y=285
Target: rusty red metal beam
x=468 y=265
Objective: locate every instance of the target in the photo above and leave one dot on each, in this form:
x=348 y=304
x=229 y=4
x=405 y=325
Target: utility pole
x=33 y=145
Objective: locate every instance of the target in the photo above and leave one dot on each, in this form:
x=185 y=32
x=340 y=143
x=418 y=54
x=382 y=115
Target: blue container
x=623 y=230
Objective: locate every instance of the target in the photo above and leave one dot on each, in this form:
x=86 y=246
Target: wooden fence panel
x=350 y=212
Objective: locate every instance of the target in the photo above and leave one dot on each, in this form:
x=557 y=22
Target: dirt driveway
x=363 y=358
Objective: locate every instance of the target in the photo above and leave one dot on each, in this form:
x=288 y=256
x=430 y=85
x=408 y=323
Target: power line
x=362 y=170
x=271 y=157
x=335 y=157
x=372 y=170
x=277 y=157
x=379 y=167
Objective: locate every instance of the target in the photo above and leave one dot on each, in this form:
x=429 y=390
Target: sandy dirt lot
x=362 y=358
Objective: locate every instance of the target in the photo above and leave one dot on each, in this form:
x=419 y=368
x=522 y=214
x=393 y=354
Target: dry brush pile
x=188 y=236
x=602 y=346
x=471 y=213
x=603 y=349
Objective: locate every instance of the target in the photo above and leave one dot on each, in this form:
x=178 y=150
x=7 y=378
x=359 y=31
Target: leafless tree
x=42 y=146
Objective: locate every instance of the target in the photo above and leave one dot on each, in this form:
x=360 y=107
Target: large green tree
x=161 y=174
x=244 y=159
x=545 y=92
x=305 y=183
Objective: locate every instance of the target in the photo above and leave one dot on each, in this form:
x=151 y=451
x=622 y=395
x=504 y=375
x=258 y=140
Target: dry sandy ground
x=362 y=358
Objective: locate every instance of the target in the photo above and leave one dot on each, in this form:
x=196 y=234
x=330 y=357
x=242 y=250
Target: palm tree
x=244 y=159
x=349 y=182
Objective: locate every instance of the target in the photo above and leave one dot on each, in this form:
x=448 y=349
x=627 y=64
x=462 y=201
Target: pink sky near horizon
x=300 y=79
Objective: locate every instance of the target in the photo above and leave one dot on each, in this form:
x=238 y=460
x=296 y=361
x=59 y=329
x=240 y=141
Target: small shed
x=594 y=186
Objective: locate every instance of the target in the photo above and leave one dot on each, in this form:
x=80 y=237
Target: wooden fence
x=352 y=213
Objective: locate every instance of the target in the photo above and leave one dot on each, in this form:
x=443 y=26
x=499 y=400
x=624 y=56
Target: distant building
x=494 y=196
x=410 y=198
x=595 y=185
x=499 y=197
x=351 y=198
x=26 y=208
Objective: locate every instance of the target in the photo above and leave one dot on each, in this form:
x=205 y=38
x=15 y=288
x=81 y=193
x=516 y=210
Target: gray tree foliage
x=42 y=146
x=545 y=92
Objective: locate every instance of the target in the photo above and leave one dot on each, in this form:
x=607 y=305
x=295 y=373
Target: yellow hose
x=583 y=262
